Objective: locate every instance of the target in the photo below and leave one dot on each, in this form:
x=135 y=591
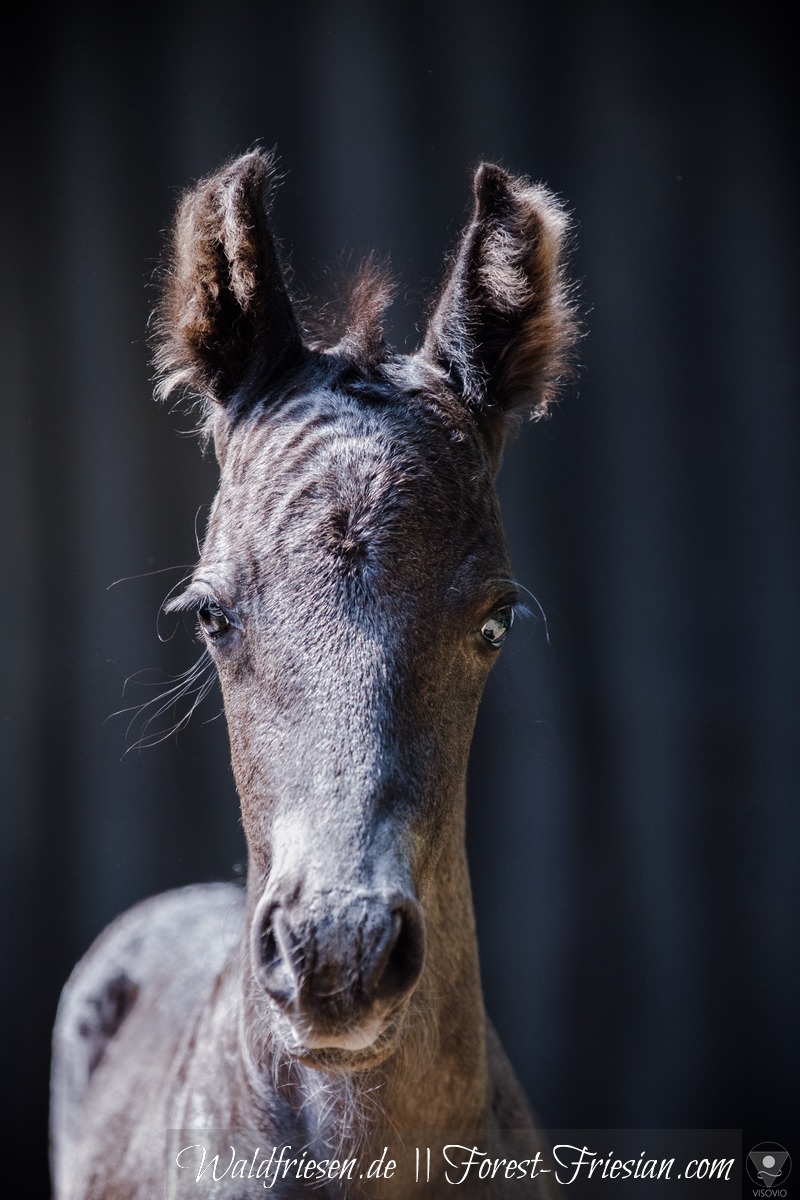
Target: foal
x=354 y=591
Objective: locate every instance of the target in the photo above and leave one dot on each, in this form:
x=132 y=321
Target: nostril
x=404 y=957
x=271 y=963
x=268 y=952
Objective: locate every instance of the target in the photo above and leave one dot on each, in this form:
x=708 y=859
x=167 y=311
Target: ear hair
x=504 y=324
x=352 y=325
x=224 y=325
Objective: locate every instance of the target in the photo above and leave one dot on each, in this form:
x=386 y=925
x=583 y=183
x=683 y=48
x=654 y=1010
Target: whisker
x=217 y=715
x=196 y=682
x=537 y=612
x=147 y=574
x=196 y=534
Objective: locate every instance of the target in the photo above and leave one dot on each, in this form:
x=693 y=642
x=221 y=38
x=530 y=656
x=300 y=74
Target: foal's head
x=354 y=587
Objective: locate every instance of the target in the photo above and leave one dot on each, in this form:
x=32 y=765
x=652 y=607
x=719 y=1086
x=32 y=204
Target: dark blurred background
x=634 y=794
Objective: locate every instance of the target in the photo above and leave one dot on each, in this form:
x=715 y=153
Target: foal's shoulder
x=188 y=930
x=164 y=950
x=165 y=930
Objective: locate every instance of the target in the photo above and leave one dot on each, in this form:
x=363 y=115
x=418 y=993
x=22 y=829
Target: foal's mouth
x=358 y=1049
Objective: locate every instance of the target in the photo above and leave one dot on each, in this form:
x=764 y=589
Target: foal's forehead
x=338 y=447
x=355 y=485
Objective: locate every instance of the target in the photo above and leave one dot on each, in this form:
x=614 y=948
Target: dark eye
x=495 y=627
x=213 y=619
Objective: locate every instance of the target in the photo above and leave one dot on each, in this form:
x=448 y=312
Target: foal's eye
x=496 y=627
x=213 y=619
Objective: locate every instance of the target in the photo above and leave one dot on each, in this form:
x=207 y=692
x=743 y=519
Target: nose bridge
x=345 y=791
x=337 y=933
x=348 y=818
x=338 y=843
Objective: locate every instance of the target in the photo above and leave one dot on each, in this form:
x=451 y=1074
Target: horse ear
x=504 y=324
x=225 y=324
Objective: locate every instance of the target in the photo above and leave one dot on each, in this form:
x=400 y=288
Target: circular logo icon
x=769 y=1164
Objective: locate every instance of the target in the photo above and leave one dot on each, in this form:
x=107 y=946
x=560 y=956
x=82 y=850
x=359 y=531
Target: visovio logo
x=769 y=1164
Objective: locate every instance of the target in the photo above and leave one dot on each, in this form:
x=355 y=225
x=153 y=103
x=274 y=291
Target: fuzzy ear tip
x=258 y=165
x=253 y=172
x=491 y=180
x=487 y=170
x=496 y=188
